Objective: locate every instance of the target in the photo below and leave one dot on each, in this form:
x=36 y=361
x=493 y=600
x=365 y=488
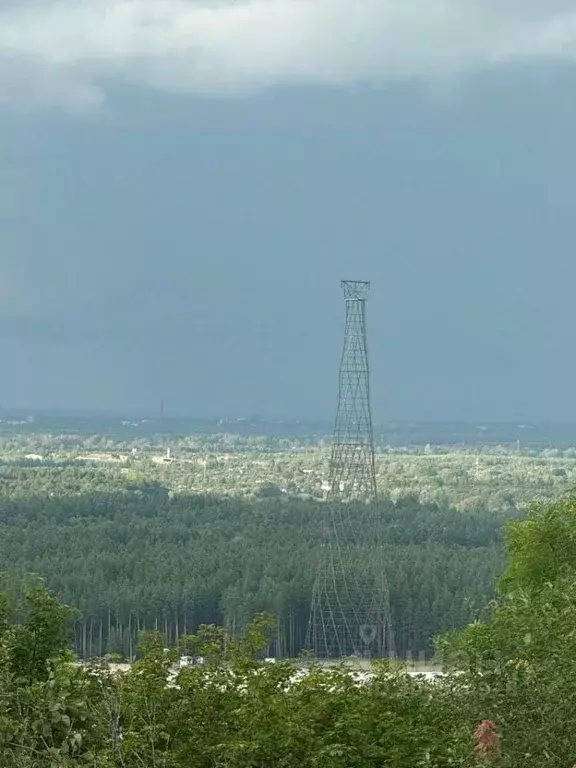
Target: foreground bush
x=509 y=698
x=231 y=710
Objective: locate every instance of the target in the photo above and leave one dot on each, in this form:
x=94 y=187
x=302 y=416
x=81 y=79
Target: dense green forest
x=507 y=696
x=180 y=545
x=168 y=530
x=134 y=555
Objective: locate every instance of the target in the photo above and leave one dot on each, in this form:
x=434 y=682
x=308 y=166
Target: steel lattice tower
x=350 y=614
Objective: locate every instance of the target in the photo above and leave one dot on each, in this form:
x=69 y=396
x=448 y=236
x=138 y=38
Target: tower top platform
x=356 y=290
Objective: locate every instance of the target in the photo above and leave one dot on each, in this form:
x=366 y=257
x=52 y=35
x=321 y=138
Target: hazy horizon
x=253 y=419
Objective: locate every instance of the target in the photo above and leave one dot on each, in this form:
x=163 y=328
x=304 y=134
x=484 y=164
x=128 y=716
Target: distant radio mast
x=350 y=613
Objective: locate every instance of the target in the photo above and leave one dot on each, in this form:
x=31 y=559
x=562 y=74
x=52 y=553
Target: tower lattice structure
x=350 y=613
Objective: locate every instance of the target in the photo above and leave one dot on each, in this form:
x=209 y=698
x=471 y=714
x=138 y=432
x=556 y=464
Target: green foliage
x=231 y=710
x=519 y=668
x=234 y=711
x=43 y=694
x=43 y=636
x=543 y=547
x=520 y=671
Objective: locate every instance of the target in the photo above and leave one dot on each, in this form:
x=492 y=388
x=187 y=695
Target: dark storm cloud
x=199 y=245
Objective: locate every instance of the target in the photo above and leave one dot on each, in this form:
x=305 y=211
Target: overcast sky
x=184 y=184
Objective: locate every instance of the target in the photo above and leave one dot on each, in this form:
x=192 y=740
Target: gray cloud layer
x=62 y=52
